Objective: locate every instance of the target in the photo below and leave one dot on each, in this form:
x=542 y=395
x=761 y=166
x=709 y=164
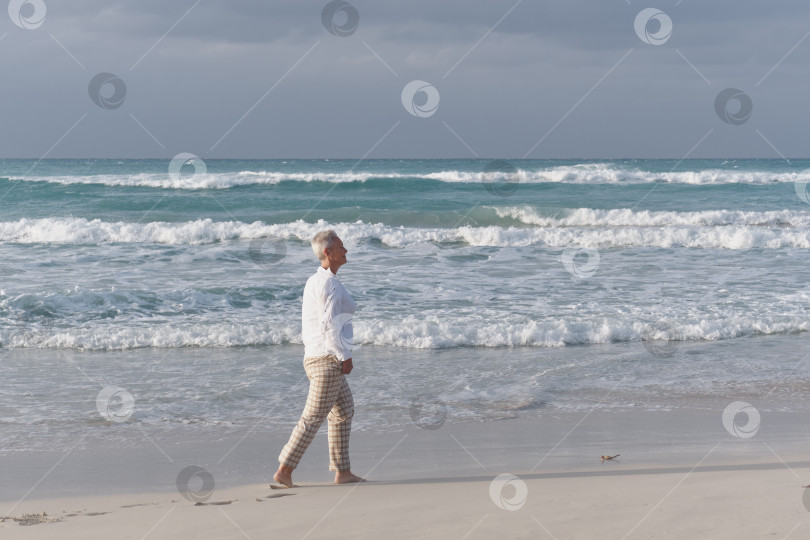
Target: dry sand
x=614 y=500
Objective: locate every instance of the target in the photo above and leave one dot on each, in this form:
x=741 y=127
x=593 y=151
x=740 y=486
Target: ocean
x=485 y=287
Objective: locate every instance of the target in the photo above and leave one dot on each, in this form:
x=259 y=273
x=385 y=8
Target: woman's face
x=337 y=253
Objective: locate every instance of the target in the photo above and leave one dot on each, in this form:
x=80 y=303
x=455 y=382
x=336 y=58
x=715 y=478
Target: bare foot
x=347 y=477
x=284 y=476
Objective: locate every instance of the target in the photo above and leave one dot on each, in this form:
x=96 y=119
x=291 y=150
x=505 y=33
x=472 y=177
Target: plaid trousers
x=329 y=396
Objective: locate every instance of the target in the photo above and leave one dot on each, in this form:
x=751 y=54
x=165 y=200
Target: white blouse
x=326 y=316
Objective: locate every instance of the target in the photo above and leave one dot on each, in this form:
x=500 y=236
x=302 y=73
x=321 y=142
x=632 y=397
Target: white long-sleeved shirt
x=326 y=316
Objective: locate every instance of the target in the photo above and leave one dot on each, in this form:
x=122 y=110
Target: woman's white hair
x=323 y=240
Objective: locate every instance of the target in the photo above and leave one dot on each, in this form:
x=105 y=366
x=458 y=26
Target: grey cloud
x=507 y=92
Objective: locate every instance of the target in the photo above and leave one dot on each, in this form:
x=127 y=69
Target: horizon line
x=414 y=158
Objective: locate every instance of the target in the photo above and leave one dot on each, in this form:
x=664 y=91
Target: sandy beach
x=735 y=502
x=680 y=474
x=728 y=461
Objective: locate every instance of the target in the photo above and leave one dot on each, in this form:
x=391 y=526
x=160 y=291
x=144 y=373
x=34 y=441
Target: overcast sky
x=541 y=79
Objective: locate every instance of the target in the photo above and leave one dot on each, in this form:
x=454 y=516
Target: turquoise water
x=398 y=192
x=491 y=288
x=108 y=254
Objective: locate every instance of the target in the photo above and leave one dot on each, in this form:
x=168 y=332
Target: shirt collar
x=326 y=270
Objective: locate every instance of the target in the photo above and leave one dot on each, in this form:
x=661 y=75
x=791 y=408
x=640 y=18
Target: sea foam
x=592 y=173
x=584 y=227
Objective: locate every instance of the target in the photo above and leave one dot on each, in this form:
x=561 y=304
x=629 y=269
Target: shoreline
x=728 y=461
x=549 y=442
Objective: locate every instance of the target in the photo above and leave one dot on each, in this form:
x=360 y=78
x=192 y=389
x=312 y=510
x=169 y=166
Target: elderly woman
x=326 y=330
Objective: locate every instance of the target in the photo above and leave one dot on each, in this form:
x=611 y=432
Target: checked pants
x=329 y=397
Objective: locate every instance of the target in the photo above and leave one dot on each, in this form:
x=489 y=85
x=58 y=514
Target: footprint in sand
x=215 y=503
x=276 y=496
x=31 y=519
